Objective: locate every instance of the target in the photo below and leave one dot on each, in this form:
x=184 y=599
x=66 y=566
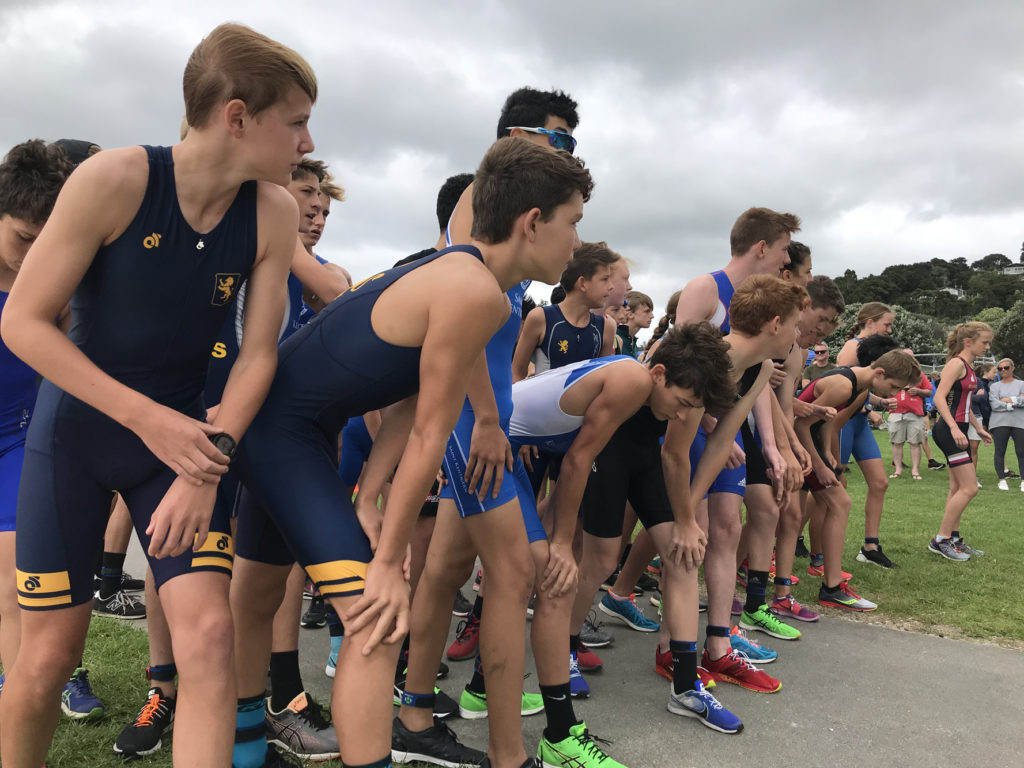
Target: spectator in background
x=1006 y=398
x=907 y=424
x=819 y=367
x=640 y=313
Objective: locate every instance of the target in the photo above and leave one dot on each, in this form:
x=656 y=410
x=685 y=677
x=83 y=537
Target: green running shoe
x=473 y=706
x=765 y=621
x=580 y=750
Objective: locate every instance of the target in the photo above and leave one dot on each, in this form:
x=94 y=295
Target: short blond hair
x=328 y=188
x=236 y=62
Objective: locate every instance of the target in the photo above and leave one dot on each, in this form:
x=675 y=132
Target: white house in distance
x=1014 y=269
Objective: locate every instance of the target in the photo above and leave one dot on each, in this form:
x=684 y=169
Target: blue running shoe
x=626 y=610
x=578 y=687
x=332 y=660
x=77 y=699
x=2 y=678
x=753 y=651
x=701 y=705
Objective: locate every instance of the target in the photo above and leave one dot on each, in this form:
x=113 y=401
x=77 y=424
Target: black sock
x=574 y=643
x=110 y=574
x=558 y=710
x=478 y=607
x=757 y=586
x=871 y=540
x=954 y=535
x=285 y=679
x=684 y=664
x=384 y=762
x=337 y=629
x=476 y=685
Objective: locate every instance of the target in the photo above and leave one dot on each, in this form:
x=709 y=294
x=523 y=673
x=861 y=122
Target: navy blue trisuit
x=147 y=312
x=296 y=506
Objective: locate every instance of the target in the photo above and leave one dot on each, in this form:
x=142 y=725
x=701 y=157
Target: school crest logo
x=563 y=346
x=224 y=287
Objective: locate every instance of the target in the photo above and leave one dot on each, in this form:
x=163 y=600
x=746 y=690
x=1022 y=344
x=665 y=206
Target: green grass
x=926 y=593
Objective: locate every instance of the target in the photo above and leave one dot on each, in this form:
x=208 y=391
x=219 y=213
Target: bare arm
x=529 y=339
x=322 y=280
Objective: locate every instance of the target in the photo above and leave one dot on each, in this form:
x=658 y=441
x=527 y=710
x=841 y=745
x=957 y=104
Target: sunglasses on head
x=556 y=139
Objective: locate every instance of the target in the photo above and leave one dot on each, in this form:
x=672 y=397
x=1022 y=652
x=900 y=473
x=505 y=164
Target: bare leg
x=897 y=459
x=196 y=606
x=52 y=646
x=286 y=620
x=421 y=535
x=10 y=613
x=600 y=556
x=363 y=722
x=963 y=486
x=837 y=514
x=639 y=556
x=449 y=563
x=874 y=475
x=791 y=521
x=816 y=522
x=119 y=528
x=256 y=592
x=915 y=459
x=720 y=565
x=160 y=651
x=549 y=633
x=762 y=520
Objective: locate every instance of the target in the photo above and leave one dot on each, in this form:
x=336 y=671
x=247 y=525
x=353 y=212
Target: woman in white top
x=1006 y=396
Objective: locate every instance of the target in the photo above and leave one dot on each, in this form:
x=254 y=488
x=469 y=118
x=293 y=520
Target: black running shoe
x=801 y=548
x=442 y=671
x=315 y=616
x=437 y=745
x=462 y=606
x=876 y=556
x=647 y=583
x=533 y=762
x=933 y=464
x=444 y=705
x=120 y=605
x=143 y=736
x=278 y=758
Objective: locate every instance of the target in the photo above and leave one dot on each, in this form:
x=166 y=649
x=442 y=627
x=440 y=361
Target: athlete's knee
x=724 y=529
x=598 y=564
x=207 y=643
x=47 y=664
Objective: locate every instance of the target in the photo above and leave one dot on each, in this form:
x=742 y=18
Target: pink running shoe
x=788 y=607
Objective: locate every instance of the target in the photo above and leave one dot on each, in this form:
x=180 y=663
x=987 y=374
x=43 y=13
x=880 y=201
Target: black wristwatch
x=225 y=443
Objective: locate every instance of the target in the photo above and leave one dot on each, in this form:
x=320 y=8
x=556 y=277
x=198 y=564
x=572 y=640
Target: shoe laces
x=317 y=715
x=80 y=683
x=574 y=665
x=155 y=704
x=709 y=700
x=844 y=587
x=594 y=622
x=466 y=628
x=589 y=742
x=123 y=602
x=737 y=632
x=743 y=660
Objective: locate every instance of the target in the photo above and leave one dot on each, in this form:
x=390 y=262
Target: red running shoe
x=819 y=571
x=588 y=660
x=466 y=640
x=664 y=667
x=736 y=669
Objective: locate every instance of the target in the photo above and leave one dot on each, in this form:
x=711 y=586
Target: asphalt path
x=853 y=694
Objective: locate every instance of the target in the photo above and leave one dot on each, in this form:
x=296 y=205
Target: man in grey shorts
x=907 y=424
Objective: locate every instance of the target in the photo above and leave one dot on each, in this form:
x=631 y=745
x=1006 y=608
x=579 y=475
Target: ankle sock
x=558 y=710
x=684 y=664
x=384 y=762
x=757 y=584
x=476 y=684
x=285 y=679
x=478 y=607
x=250 y=734
x=574 y=643
x=110 y=574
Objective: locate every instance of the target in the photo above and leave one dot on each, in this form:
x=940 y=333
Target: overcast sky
x=894 y=130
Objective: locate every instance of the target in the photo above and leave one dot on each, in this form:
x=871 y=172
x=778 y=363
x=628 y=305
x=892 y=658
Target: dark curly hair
x=530 y=107
x=696 y=357
x=31 y=175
